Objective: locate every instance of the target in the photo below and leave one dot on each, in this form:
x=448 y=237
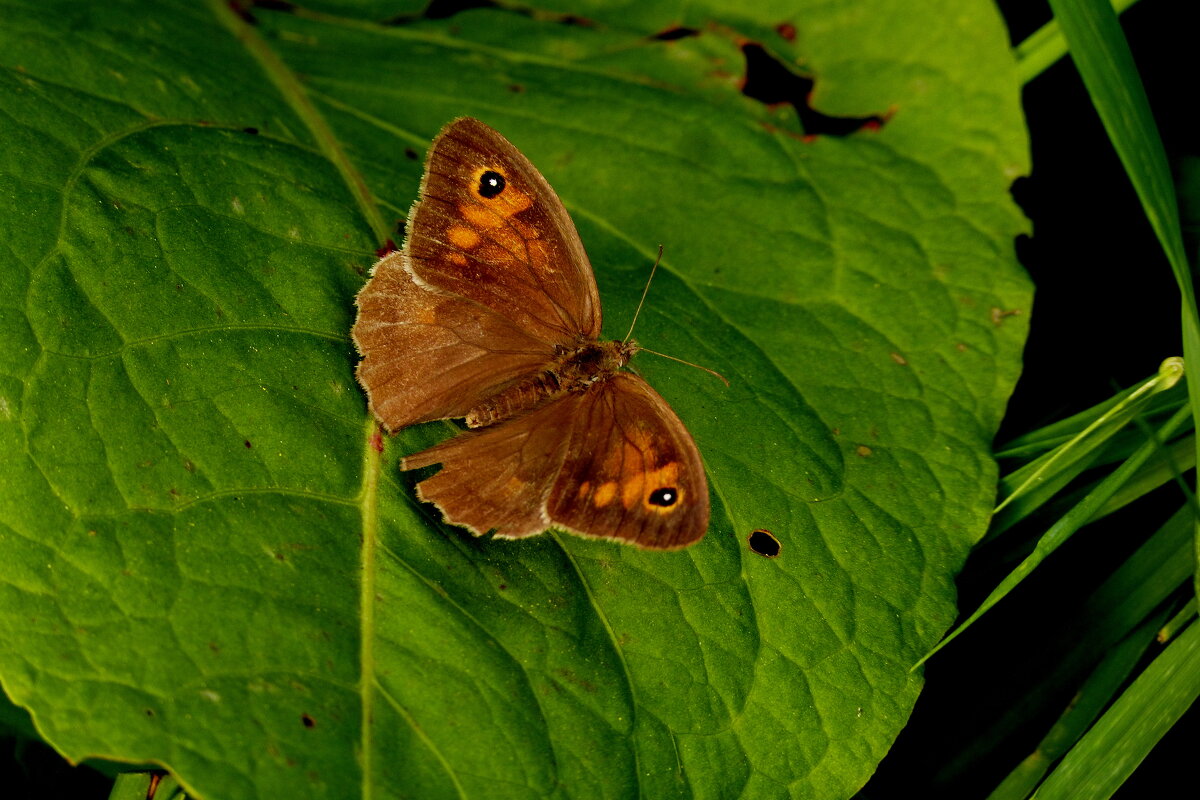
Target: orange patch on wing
x=481 y=216
x=512 y=202
x=605 y=492
x=457 y=258
x=462 y=237
x=515 y=239
x=584 y=488
x=627 y=461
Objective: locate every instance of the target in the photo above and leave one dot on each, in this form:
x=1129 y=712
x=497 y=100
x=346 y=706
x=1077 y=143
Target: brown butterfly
x=491 y=312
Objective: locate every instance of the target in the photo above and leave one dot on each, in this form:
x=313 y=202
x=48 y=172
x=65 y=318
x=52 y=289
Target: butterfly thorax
x=575 y=368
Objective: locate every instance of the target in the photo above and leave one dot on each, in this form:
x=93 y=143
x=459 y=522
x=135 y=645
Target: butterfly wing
x=429 y=355
x=488 y=227
x=500 y=477
x=613 y=462
x=631 y=470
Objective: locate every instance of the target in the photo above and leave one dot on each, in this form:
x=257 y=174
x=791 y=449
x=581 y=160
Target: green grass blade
x=1095 y=693
x=1068 y=524
x=1102 y=55
x=1105 y=757
x=1046 y=46
x=1028 y=487
x=1036 y=442
x=1168 y=464
x=1177 y=623
x=1123 y=602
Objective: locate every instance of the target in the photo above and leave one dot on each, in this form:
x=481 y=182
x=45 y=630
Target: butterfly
x=490 y=312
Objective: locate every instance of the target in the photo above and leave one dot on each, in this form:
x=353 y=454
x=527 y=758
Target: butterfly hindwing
x=610 y=463
x=499 y=478
x=631 y=470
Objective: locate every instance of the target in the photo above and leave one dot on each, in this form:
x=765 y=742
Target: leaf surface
x=205 y=563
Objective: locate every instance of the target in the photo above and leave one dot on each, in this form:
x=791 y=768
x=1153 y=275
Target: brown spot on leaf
x=999 y=314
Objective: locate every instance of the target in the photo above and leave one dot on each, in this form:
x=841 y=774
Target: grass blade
x=1046 y=46
x=1095 y=693
x=1069 y=523
x=1108 y=754
x=1035 y=483
x=1102 y=56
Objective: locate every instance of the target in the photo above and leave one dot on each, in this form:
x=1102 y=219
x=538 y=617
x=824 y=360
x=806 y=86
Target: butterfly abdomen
x=520 y=398
x=574 y=369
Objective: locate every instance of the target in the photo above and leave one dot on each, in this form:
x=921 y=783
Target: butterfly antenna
x=689 y=363
x=644 y=292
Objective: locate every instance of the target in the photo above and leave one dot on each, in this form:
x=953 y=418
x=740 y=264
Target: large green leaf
x=205 y=563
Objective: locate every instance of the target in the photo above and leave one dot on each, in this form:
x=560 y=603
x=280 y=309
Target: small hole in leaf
x=764 y=543
x=308 y=721
x=444 y=9
x=276 y=5
x=247 y=443
x=675 y=33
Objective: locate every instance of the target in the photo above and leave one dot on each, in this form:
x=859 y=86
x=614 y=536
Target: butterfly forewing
x=429 y=355
x=488 y=227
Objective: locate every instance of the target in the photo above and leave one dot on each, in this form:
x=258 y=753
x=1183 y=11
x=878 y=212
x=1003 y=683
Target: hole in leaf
x=770 y=82
x=675 y=33
x=443 y=9
x=764 y=543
